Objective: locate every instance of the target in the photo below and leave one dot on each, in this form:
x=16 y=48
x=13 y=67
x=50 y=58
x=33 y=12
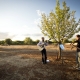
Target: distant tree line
x=26 y=41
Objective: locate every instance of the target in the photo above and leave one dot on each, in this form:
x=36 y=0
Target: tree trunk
x=59 y=53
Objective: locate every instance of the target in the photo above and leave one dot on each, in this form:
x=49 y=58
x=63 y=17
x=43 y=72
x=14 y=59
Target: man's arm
x=40 y=44
x=72 y=44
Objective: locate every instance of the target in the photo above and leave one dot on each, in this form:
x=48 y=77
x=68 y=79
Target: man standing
x=41 y=45
x=78 y=51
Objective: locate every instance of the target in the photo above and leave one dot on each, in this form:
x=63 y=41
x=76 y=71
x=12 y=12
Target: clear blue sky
x=20 y=18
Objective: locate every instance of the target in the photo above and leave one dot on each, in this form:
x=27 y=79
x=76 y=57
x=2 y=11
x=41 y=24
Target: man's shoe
x=44 y=62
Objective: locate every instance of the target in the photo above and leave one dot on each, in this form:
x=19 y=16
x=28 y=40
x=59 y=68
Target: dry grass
x=23 y=62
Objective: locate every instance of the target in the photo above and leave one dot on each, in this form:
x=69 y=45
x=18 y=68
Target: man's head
x=42 y=38
x=78 y=36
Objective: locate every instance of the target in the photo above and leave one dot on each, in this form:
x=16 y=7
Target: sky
x=20 y=18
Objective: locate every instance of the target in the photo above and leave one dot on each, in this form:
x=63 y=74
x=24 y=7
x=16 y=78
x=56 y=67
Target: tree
x=28 y=40
x=2 y=42
x=17 y=42
x=59 y=25
x=35 y=42
x=8 y=41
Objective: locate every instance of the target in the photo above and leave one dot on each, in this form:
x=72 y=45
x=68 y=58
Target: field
x=23 y=62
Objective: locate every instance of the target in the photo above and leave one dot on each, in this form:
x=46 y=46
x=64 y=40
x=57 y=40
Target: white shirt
x=42 y=45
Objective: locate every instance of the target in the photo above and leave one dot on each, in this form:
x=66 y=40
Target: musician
x=78 y=50
x=42 y=44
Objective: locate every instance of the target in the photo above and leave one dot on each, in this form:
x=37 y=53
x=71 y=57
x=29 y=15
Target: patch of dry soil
x=22 y=63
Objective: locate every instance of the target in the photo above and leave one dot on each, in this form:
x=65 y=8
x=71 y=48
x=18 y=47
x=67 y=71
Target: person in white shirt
x=42 y=49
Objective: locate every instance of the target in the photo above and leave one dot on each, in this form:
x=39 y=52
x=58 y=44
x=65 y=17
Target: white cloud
x=37 y=21
x=13 y=29
x=18 y=37
x=5 y=35
x=39 y=12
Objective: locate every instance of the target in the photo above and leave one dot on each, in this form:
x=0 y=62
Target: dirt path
x=24 y=63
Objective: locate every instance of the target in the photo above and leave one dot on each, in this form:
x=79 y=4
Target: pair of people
x=42 y=49
x=42 y=44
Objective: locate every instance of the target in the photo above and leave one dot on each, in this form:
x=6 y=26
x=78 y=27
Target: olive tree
x=59 y=24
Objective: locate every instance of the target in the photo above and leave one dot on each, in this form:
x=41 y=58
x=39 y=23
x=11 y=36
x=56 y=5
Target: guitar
x=42 y=45
x=72 y=46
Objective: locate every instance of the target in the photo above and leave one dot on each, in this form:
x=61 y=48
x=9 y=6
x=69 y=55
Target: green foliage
x=2 y=42
x=28 y=41
x=66 y=41
x=8 y=41
x=73 y=40
x=59 y=25
x=35 y=42
x=18 y=42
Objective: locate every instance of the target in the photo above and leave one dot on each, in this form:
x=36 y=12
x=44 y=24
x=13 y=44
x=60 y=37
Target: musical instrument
x=72 y=46
x=42 y=45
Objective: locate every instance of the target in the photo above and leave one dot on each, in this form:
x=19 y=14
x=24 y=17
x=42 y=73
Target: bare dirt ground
x=23 y=62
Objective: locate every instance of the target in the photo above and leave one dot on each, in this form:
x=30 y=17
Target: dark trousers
x=44 y=56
